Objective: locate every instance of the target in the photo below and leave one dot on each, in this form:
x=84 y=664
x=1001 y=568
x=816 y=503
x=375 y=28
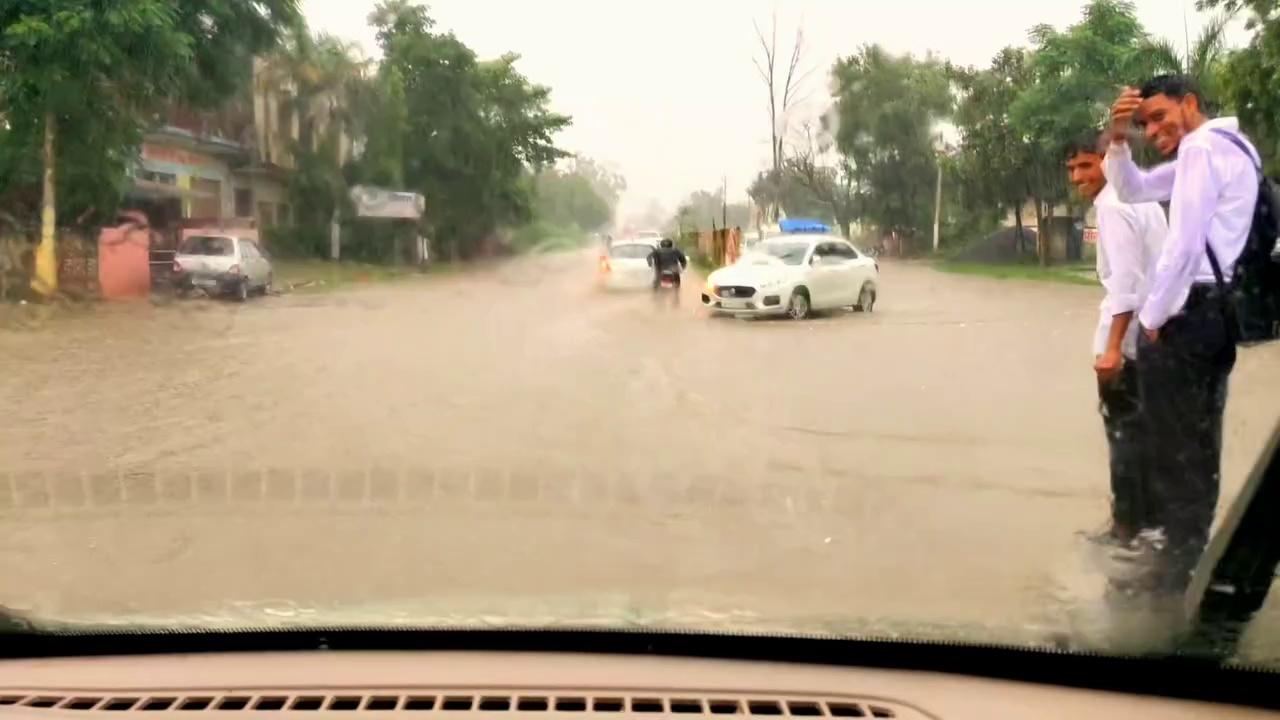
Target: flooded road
x=512 y=445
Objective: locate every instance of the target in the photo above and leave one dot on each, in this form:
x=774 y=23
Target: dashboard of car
x=519 y=686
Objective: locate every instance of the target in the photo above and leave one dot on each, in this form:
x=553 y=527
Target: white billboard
x=382 y=203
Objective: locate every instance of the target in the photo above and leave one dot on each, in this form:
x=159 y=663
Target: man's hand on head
x=1122 y=113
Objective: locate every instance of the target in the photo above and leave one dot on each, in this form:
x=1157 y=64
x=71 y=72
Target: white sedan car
x=626 y=266
x=794 y=275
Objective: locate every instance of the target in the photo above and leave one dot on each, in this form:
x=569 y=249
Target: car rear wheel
x=241 y=293
x=866 y=299
x=798 y=305
x=266 y=286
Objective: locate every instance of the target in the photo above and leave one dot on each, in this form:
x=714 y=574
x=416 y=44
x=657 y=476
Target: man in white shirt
x=1130 y=238
x=1187 y=347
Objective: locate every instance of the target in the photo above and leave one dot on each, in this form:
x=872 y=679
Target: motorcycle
x=668 y=280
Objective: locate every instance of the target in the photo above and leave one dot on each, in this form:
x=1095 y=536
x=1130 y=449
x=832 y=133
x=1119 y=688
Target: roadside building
x=226 y=167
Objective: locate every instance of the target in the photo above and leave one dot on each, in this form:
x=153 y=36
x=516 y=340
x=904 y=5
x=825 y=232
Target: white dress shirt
x=1212 y=187
x=1130 y=238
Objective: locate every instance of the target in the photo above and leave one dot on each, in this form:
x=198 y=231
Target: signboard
x=1091 y=235
x=381 y=203
x=175 y=156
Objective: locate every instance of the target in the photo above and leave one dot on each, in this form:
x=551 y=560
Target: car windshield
x=789 y=253
x=631 y=252
x=419 y=375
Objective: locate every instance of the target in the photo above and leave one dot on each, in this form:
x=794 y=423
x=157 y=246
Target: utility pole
x=724 y=201
x=937 y=209
x=937 y=197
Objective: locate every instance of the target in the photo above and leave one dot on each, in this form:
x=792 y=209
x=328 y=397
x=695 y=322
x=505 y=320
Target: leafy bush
x=298 y=241
x=545 y=236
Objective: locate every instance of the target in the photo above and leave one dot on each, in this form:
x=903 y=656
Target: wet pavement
x=512 y=444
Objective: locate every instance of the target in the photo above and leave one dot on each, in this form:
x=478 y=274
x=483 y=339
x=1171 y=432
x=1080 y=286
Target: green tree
x=1204 y=61
x=705 y=210
x=887 y=111
x=608 y=184
x=473 y=130
x=1249 y=79
x=82 y=80
x=992 y=170
x=783 y=190
x=1074 y=76
x=835 y=186
x=570 y=198
x=381 y=121
x=328 y=83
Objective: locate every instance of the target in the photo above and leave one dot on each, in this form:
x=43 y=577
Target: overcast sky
x=665 y=90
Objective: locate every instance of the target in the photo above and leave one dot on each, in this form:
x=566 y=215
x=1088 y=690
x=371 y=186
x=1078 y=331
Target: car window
x=248 y=249
x=207 y=245
x=845 y=251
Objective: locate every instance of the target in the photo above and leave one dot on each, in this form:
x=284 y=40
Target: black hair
x=1093 y=142
x=1175 y=87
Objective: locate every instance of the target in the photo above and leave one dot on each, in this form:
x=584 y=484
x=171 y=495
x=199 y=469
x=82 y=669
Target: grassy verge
x=325 y=275
x=1070 y=274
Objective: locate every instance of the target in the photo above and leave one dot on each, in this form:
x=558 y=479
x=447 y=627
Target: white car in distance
x=626 y=266
x=794 y=275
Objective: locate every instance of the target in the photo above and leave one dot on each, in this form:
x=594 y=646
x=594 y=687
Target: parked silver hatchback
x=222 y=265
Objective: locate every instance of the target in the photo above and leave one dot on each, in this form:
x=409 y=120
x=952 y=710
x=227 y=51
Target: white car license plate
x=206 y=282
x=733 y=304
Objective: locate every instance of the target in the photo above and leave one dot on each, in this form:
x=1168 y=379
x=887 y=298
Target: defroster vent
x=448 y=702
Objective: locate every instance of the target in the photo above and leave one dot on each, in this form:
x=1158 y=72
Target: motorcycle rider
x=667 y=258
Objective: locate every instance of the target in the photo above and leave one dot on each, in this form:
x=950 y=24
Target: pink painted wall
x=124 y=269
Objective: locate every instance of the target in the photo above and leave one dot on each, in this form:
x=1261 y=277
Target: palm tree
x=320 y=72
x=317 y=78
x=1202 y=61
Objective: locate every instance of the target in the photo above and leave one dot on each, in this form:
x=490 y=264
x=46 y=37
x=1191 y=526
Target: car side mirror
x=815 y=260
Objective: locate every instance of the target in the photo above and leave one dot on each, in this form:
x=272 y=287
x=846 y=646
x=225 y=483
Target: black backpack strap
x=1217 y=270
x=1234 y=139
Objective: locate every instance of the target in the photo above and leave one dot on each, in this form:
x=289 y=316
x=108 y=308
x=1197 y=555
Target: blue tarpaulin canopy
x=802 y=225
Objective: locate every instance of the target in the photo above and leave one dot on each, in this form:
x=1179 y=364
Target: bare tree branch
x=763 y=75
x=796 y=51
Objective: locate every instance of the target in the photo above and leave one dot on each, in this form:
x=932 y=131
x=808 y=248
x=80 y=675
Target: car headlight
x=710 y=287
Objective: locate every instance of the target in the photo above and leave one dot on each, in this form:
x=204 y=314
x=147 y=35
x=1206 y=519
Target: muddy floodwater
x=511 y=444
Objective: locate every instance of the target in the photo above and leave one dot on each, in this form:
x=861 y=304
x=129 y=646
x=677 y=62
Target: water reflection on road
x=514 y=443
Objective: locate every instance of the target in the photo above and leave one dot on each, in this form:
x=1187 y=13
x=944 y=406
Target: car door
x=824 y=276
x=246 y=262
x=852 y=274
x=253 y=263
